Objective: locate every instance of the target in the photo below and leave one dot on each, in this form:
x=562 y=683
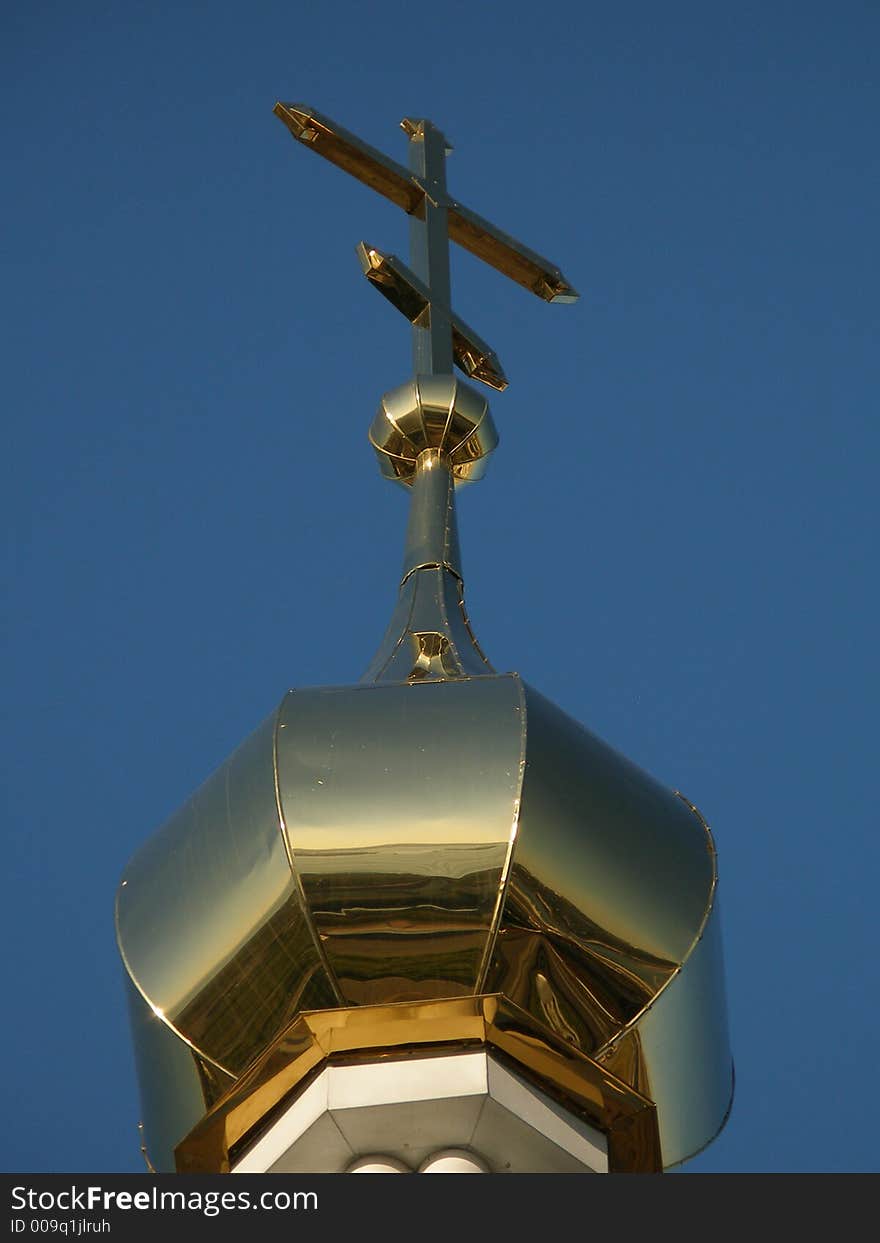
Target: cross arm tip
x=295 y=116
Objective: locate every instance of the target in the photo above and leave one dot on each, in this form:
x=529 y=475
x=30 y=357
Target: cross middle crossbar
x=403 y=289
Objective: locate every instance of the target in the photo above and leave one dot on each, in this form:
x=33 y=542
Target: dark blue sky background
x=676 y=539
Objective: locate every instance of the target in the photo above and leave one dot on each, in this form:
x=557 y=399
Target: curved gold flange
x=379 y=1033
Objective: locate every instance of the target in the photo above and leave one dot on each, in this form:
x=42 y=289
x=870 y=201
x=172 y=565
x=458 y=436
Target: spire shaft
x=432 y=531
x=429 y=636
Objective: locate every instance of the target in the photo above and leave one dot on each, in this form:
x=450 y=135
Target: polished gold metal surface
x=210 y=918
x=351 y=154
x=401 y=186
x=605 y=935
x=429 y=636
x=404 y=290
x=177 y=1084
x=432 y=434
x=437 y=855
x=686 y=1057
x=216 y=940
x=400 y=806
x=387 y=1032
x=433 y=412
x=430 y=839
x=439 y=831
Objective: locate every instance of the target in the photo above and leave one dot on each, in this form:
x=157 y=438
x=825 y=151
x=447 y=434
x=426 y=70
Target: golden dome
x=439 y=831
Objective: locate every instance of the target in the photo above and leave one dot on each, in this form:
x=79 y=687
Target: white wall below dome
x=426 y=1111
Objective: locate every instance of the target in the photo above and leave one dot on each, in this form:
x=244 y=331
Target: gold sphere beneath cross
x=439 y=413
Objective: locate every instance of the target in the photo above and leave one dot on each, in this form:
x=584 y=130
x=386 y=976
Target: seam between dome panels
x=305 y=909
x=507 y=867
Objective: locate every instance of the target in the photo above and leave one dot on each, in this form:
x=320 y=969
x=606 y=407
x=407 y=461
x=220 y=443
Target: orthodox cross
x=423 y=293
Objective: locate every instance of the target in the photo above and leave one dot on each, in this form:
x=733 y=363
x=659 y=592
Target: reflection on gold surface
x=411 y=842
x=603 y=836
x=429 y=635
x=244 y=1005
x=586 y=941
x=403 y=289
x=483 y=239
x=584 y=996
x=176 y=1085
x=399 y=804
x=684 y=1041
x=431 y=602
x=438 y=414
x=625 y=1116
x=210 y=921
x=625 y=1059
x=601 y=934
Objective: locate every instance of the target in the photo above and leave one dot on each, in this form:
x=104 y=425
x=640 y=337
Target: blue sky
x=675 y=541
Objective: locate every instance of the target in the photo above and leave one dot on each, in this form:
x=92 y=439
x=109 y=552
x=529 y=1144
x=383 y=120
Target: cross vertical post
x=429 y=249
